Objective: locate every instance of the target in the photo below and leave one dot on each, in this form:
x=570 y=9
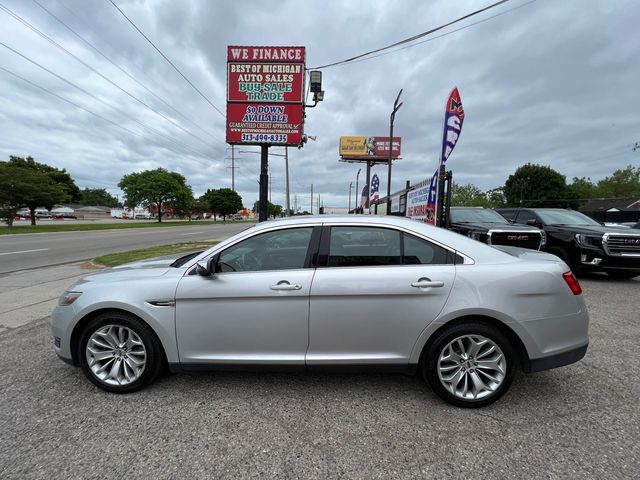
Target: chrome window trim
x=605 y=244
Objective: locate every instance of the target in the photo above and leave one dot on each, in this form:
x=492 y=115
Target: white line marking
x=25 y=251
x=191 y=233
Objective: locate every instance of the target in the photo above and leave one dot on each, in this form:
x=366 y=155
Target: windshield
x=565 y=217
x=184 y=259
x=472 y=215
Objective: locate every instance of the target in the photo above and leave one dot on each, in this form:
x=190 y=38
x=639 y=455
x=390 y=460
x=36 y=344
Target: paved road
x=580 y=421
x=19 y=252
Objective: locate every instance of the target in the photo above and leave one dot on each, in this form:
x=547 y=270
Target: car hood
x=151 y=268
x=508 y=227
x=595 y=229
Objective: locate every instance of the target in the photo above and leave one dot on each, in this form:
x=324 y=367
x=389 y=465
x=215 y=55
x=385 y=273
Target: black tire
x=623 y=275
x=435 y=347
x=154 y=361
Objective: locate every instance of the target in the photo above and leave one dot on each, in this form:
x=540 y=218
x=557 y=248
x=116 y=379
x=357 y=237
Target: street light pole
x=396 y=107
x=355 y=195
x=350 y=188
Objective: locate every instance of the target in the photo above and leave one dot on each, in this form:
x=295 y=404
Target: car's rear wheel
x=120 y=353
x=469 y=364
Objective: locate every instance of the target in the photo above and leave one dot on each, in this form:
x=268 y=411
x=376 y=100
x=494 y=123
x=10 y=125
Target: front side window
x=525 y=216
x=278 y=250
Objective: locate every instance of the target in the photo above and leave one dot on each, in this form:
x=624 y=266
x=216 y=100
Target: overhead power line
x=104 y=102
x=167 y=59
x=430 y=39
x=97 y=115
x=104 y=77
x=103 y=55
x=410 y=39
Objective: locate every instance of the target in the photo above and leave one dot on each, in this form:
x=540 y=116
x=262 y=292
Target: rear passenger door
x=374 y=291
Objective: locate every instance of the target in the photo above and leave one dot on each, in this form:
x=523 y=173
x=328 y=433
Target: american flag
x=363 y=201
x=375 y=187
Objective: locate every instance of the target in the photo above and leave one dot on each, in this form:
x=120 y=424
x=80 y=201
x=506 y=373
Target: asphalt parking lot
x=581 y=421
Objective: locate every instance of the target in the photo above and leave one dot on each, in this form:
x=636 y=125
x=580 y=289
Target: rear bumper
x=557 y=360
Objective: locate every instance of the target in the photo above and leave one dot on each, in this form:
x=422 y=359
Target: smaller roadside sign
x=377 y=147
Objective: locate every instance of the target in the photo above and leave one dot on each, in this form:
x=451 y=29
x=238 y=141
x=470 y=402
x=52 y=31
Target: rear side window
x=421 y=252
x=373 y=246
x=364 y=246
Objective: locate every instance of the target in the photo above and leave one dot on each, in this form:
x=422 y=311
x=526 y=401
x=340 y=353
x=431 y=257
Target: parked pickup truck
x=490 y=227
x=584 y=244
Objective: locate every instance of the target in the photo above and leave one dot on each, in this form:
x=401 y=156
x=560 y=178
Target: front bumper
x=596 y=260
x=62 y=321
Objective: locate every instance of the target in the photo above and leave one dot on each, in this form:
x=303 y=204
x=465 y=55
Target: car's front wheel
x=469 y=364
x=120 y=353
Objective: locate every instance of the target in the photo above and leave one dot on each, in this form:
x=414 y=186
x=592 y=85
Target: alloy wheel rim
x=116 y=355
x=472 y=367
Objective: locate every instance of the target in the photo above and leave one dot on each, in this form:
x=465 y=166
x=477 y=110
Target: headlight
x=544 y=238
x=589 y=240
x=474 y=235
x=68 y=298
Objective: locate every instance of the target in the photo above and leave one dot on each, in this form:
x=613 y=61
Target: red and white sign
x=260 y=123
x=265 y=82
x=265 y=95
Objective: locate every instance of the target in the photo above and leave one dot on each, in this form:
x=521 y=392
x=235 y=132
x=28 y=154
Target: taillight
x=573 y=283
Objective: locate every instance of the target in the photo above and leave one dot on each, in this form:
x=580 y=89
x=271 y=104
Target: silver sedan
x=338 y=293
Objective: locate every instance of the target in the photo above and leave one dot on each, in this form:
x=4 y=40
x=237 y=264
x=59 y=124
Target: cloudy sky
x=550 y=82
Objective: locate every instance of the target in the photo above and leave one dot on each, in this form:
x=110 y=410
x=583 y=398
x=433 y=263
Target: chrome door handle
x=284 y=285
x=427 y=283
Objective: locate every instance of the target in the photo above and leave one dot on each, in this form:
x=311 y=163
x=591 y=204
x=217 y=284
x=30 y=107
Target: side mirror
x=533 y=223
x=206 y=268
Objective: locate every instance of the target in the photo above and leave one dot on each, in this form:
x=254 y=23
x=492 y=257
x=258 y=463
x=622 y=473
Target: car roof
x=472 y=248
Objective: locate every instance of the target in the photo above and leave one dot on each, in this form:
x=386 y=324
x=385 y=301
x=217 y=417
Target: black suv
x=490 y=227
x=584 y=244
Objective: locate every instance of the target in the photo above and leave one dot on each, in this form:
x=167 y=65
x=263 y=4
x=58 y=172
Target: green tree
x=272 y=210
x=537 y=186
x=18 y=186
x=223 y=202
x=50 y=185
x=155 y=189
x=98 y=196
x=59 y=177
x=468 y=196
x=496 y=197
x=623 y=182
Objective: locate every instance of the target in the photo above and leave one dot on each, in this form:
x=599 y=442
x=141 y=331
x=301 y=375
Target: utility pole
x=318 y=204
x=350 y=188
x=396 y=107
x=355 y=203
x=311 y=199
x=286 y=165
x=264 y=180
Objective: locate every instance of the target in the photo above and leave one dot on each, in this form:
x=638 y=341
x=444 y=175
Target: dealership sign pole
x=453 y=118
x=265 y=102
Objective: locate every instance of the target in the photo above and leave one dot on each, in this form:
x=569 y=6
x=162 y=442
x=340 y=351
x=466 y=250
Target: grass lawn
x=114 y=259
x=102 y=226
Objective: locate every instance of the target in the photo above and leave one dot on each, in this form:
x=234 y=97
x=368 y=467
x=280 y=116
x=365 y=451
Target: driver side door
x=254 y=310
